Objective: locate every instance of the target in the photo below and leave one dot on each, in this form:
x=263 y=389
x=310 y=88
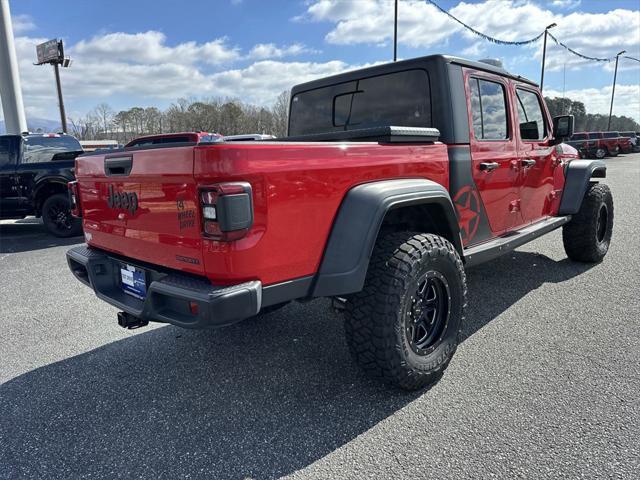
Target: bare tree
x=280 y=112
x=228 y=116
x=105 y=113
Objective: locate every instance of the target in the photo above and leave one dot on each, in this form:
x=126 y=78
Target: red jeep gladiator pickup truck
x=393 y=180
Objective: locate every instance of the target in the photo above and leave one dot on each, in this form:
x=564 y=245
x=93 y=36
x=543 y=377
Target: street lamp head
x=551 y=26
x=620 y=53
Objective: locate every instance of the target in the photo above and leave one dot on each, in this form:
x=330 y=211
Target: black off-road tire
x=613 y=153
x=600 y=153
x=57 y=219
x=587 y=236
x=376 y=319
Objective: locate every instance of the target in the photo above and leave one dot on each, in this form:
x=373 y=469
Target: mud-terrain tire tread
x=579 y=235
x=372 y=315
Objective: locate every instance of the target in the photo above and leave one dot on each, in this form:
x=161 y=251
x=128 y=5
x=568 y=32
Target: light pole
x=10 y=91
x=544 y=52
x=395 y=33
x=613 y=91
x=52 y=52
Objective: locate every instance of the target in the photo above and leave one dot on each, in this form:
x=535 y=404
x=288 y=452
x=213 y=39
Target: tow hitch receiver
x=126 y=320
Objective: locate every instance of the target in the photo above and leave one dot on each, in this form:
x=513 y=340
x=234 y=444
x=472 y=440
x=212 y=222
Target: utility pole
x=10 y=91
x=613 y=90
x=395 y=33
x=544 y=52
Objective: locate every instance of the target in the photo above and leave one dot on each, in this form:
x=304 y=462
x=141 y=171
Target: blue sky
x=142 y=52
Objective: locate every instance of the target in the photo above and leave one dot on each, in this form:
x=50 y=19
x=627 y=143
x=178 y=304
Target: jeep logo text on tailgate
x=124 y=200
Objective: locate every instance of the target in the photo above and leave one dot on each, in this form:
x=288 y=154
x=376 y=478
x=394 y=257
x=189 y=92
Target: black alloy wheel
x=57 y=218
x=427 y=313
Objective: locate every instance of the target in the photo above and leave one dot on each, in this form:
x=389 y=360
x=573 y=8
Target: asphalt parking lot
x=546 y=383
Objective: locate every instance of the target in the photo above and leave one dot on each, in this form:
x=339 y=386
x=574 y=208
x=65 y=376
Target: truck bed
x=297 y=188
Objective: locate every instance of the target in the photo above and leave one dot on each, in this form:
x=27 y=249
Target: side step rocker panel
x=501 y=245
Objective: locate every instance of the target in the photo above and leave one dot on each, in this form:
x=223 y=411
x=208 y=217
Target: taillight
x=74 y=199
x=227 y=210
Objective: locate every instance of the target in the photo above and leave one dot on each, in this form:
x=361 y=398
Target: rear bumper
x=168 y=294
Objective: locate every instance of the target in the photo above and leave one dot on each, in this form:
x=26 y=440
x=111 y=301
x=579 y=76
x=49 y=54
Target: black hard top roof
x=404 y=64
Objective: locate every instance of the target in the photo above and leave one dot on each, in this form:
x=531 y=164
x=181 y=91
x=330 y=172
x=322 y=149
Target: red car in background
x=607 y=146
x=180 y=137
x=624 y=143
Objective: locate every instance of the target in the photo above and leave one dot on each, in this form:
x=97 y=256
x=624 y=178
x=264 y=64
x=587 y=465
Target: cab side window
x=488 y=110
x=531 y=118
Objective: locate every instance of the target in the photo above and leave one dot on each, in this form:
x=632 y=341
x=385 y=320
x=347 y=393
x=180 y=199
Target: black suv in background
x=34 y=171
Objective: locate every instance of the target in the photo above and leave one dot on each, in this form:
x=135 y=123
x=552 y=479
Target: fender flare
x=45 y=181
x=346 y=256
x=577 y=175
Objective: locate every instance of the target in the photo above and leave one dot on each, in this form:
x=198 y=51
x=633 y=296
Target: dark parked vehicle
x=586 y=147
x=34 y=172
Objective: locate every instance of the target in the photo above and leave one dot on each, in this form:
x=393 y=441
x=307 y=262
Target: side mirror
x=562 y=127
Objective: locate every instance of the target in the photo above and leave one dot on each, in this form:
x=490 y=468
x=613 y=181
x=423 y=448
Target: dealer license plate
x=133 y=281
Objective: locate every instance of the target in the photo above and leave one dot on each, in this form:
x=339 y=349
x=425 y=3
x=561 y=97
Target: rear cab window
x=579 y=136
x=40 y=149
x=399 y=98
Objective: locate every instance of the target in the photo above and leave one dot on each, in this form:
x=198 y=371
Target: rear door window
x=531 y=118
x=488 y=110
x=399 y=98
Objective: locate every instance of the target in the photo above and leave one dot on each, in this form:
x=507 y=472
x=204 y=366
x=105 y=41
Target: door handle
x=488 y=166
x=528 y=163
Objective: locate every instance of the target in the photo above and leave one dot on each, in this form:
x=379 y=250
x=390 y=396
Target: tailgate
x=143 y=205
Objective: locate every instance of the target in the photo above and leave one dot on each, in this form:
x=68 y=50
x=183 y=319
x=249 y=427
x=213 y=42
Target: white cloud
x=600 y=35
x=147 y=69
x=422 y=25
x=598 y=100
x=22 y=23
x=474 y=50
x=371 y=21
x=98 y=74
x=261 y=82
x=263 y=51
x=566 y=4
x=150 y=48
